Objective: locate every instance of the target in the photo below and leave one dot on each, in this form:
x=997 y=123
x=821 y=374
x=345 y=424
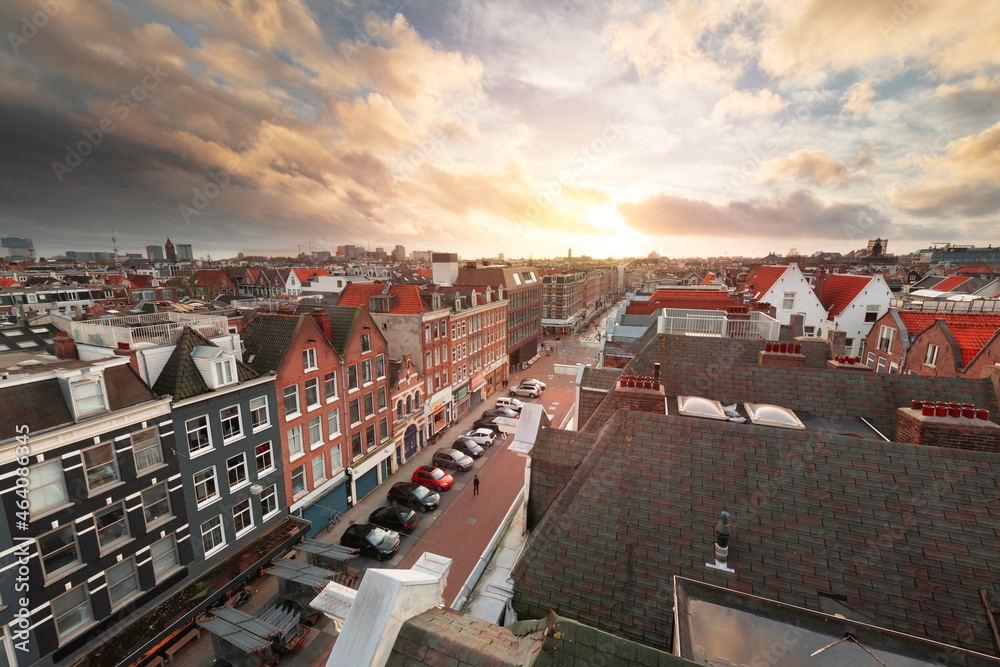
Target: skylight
x=697 y=406
x=765 y=414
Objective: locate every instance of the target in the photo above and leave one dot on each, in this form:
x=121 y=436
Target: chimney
x=125 y=351
x=797 y=324
x=320 y=317
x=787 y=355
x=838 y=343
x=640 y=394
x=65 y=347
x=953 y=425
x=818 y=287
x=722 y=533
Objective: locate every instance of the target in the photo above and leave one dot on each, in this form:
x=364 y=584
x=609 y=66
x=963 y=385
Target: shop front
x=476 y=386
x=460 y=396
x=438 y=412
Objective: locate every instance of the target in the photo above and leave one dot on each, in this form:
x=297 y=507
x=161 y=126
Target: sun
x=606 y=219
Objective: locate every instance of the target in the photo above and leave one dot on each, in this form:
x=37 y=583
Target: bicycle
x=333 y=520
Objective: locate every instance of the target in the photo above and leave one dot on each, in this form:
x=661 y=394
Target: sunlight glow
x=606 y=219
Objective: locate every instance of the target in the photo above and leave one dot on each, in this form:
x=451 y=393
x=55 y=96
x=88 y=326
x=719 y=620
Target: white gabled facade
x=857 y=317
x=790 y=294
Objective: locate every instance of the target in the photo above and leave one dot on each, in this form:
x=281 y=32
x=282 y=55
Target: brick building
x=522 y=287
x=962 y=343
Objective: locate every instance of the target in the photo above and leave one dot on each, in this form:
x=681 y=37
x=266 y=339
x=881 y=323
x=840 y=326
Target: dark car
x=433 y=478
x=499 y=412
x=395 y=517
x=414 y=495
x=469 y=447
x=487 y=423
x=373 y=541
x=452 y=458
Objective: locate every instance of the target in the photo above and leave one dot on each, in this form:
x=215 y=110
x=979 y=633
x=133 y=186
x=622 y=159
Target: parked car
x=529 y=390
x=500 y=412
x=371 y=540
x=481 y=436
x=469 y=447
x=509 y=403
x=487 y=424
x=433 y=478
x=532 y=382
x=395 y=517
x=452 y=458
x=413 y=495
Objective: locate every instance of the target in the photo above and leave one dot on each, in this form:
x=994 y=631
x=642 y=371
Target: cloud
x=964 y=180
x=798 y=215
x=816 y=167
x=857 y=101
x=980 y=96
x=743 y=103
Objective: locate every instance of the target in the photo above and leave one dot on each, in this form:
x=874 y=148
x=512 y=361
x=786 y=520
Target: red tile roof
x=972 y=338
x=948 y=284
x=305 y=274
x=971 y=332
x=140 y=280
x=763 y=279
x=975 y=269
x=840 y=290
x=407 y=301
x=708 y=278
x=8 y=282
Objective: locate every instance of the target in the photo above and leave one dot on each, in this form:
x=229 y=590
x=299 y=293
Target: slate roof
x=839 y=290
x=267 y=338
x=342 y=322
x=180 y=377
x=903 y=534
x=125 y=388
x=39 y=405
x=600 y=378
x=34 y=338
x=763 y=279
x=407 y=301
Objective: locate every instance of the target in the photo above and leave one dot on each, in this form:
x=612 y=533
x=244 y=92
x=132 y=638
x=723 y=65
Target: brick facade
x=784 y=359
x=955 y=432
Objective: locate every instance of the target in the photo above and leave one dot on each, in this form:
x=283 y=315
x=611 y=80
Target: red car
x=433 y=478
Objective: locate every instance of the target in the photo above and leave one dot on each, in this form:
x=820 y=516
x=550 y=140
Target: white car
x=530 y=390
x=481 y=436
x=537 y=383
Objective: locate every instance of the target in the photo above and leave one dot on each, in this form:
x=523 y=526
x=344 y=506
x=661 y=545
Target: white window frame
x=111 y=586
x=164 y=574
x=247 y=513
x=881 y=365
x=296 y=448
x=930 y=359
x=206 y=427
x=305 y=484
x=269 y=496
x=239 y=424
x=330 y=383
x=218 y=524
x=309 y=362
x=225 y=373
x=380 y=366
x=73 y=545
x=886 y=334
x=36 y=489
x=315 y=434
x=87 y=468
x=284 y=401
x=258 y=423
x=123 y=521
x=336 y=458
x=78 y=629
x=264 y=451
x=140 y=448
x=321 y=460
x=312 y=384
x=870 y=362
x=333 y=423
x=212 y=497
x=366 y=372
x=234 y=463
x=91 y=409
x=145 y=508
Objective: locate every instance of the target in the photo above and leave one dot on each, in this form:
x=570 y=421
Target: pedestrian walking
x=475 y=485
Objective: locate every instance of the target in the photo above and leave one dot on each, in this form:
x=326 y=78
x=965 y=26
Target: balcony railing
x=933 y=305
x=149 y=330
x=716 y=324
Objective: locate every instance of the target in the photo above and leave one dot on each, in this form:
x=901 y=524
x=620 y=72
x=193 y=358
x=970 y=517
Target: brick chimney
x=963 y=432
x=125 y=351
x=640 y=394
x=818 y=287
x=797 y=324
x=786 y=355
x=65 y=347
x=838 y=343
x=323 y=320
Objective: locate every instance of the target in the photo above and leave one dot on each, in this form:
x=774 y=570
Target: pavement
x=463 y=525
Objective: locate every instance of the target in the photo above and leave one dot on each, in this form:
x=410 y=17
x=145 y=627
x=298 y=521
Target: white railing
x=933 y=305
x=150 y=330
x=715 y=324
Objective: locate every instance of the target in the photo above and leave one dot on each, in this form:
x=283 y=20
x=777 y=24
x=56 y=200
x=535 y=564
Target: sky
x=612 y=128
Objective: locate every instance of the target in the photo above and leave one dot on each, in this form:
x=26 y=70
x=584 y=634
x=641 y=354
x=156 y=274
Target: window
x=112 y=526
x=352 y=376
x=295 y=441
x=123 y=581
x=58 y=550
x=155 y=504
x=788 y=302
x=264 y=458
x=212 y=535
x=165 y=558
x=885 y=338
x=881 y=365
x=894 y=367
x=336 y=462
x=46 y=487
x=236 y=467
x=427 y=333
x=366 y=344
x=369 y=404
x=223 y=372
x=315 y=432
x=312 y=393
x=242 y=517
x=146 y=449
x=871 y=359
x=88 y=397
x=366 y=371
x=258 y=413
x=416 y=400
x=269 y=501
x=71 y=611
x=354 y=411
x=382 y=400
x=399 y=409
x=299 y=481
x=330 y=385
x=383 y=428
x=309 y=359
x=849 y=344
x=380 y=366
x=356 y=446
x=232 y=428
x=291 y=394
x=333 y=423
x=205 y=488
x=319 y=469
x=871 y=313
x=370 y=436
x=932 y=353
x=198 y=436
x=100 y=466
x=429 y=360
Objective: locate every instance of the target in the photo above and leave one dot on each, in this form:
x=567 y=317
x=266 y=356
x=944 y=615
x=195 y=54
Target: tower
x=170 y=252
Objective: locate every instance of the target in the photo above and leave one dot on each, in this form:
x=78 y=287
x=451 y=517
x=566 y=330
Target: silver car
x=452 y=458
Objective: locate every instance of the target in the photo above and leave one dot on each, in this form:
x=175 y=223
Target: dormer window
x=88 y=397
x=224 y=372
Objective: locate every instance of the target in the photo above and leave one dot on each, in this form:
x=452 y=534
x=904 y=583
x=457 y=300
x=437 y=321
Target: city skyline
x=688 y=129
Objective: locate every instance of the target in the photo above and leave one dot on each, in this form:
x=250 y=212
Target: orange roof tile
x=975 y=269
x=948 y=284
x=971 y=331
x=407 y=301
x=763 y=279
x=305 y=274
x=839 y=290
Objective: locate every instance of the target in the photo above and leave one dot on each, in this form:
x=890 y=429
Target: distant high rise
x=570 y=255
x=184 y=252
x=18 y=249
x=154 y=253
x=400 y=253
x=170 y=251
